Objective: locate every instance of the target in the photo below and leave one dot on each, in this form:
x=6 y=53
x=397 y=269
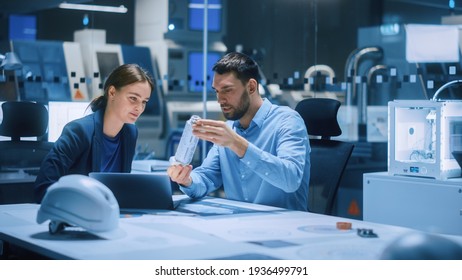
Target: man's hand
x=220 y=134
x=180 y=174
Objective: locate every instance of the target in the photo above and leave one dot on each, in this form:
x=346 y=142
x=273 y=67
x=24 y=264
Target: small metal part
x=366 y=232
x=55 y=227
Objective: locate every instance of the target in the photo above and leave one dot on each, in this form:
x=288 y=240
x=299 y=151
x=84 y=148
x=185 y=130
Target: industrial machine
x=66 y=76
x=423 y=135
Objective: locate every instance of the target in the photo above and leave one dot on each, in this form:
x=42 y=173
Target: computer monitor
x=195 y=70
x=22 y=27
x=60 y=113
x=196 y=15
x=107 y=61
x=186 y=20
x=99 y=60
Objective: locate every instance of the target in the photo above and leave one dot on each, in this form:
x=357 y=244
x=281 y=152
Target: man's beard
x=241 y=109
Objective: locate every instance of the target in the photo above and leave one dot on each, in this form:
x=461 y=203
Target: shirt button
x=242 y=176
x=248 y=163
x=266 y=173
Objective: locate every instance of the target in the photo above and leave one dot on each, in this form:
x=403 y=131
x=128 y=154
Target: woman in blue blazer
x=104 y=141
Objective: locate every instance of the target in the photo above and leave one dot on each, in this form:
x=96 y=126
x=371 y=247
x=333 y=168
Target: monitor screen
x=195 y=72
x=107 y=61
x=22 y=27
x=60 y=113
x=196 y=15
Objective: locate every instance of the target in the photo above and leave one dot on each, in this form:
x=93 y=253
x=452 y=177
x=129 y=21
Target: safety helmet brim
x=81 y=201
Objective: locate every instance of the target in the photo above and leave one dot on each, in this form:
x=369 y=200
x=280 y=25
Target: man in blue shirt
x=260 y=155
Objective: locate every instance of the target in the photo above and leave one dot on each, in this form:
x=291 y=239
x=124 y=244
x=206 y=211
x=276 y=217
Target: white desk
x=420 y=203
x=211 y=228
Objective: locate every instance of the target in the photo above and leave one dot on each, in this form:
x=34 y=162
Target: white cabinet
x=420 y=203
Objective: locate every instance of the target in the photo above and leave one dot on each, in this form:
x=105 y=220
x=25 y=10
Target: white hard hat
x=79 y=200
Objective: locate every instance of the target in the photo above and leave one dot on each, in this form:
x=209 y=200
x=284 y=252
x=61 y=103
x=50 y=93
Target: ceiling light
x=202 y=6
x=95 y=8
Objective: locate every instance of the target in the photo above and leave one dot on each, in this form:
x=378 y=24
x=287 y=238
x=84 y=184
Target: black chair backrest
x=320 y=116
x=328 y=162
x=328 y=157
x=23 y=119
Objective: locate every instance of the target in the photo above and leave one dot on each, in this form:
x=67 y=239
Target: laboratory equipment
x=52 y=71
x=420 y=203
x=422 y=136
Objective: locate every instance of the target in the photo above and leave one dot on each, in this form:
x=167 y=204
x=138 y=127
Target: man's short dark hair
x=242 y=65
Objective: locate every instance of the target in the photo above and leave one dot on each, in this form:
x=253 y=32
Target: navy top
x=79 y=151
x=111 y=159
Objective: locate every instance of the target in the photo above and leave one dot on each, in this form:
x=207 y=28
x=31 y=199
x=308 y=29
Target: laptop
x=138 y=190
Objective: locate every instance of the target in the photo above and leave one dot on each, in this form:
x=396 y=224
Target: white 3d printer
x=422 y=136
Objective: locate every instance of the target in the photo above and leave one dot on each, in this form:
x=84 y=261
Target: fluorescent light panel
x=202 y=6
x=95 y=8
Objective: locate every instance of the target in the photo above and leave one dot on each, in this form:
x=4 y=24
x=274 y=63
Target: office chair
x=328 y=157
x=23 y=119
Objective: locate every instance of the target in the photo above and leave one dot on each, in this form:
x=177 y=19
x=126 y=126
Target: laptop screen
x=138 y=190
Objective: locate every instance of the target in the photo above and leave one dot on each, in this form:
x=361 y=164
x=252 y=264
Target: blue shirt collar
x=259 y=117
